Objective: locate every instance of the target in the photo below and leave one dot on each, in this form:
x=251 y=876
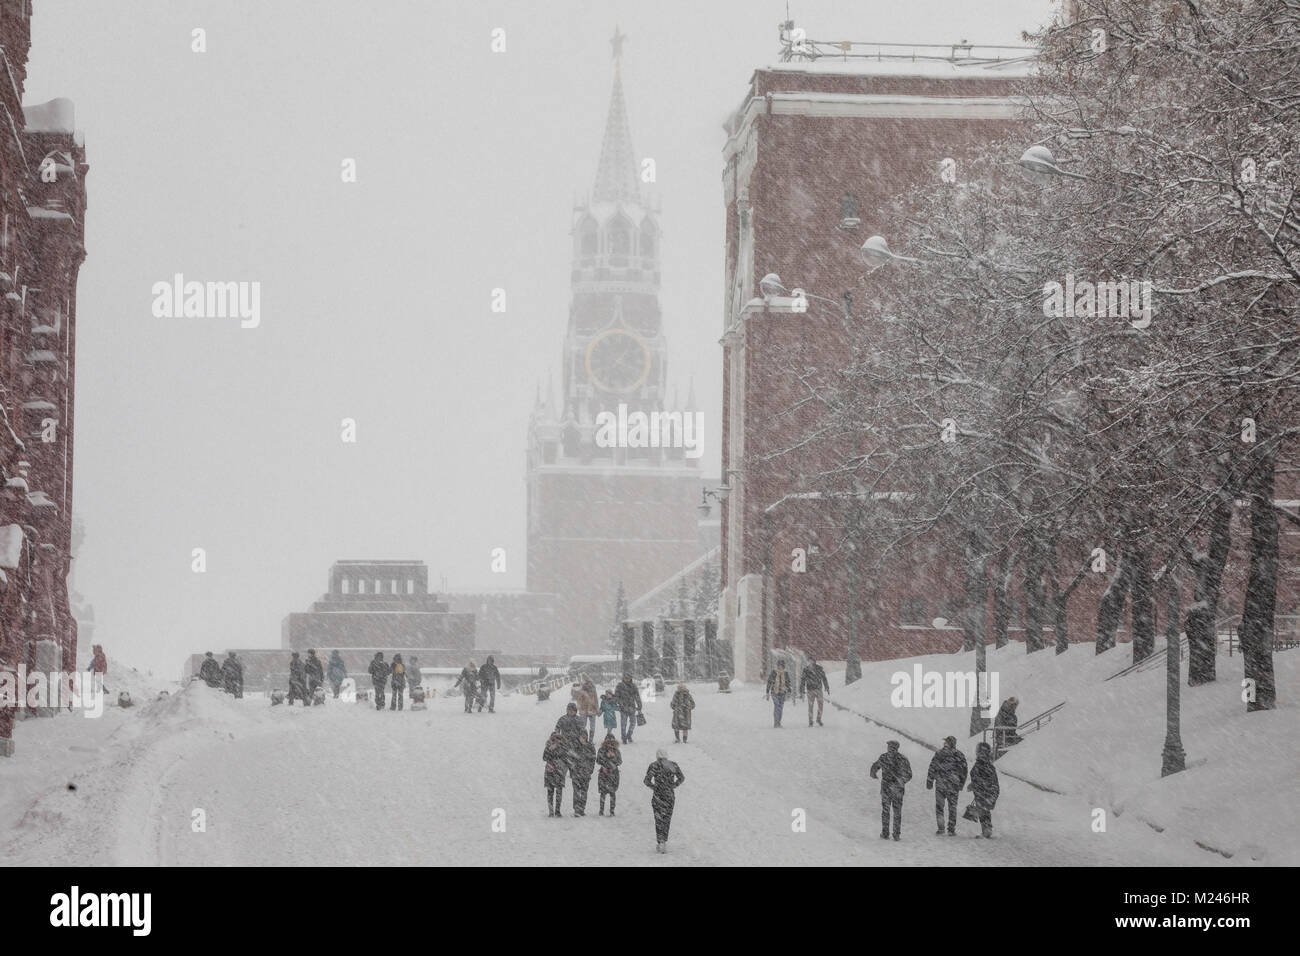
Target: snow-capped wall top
x=930 y=68
x=56 y=116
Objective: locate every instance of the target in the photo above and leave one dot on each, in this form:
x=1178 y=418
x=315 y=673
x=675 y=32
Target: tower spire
x=616 y=179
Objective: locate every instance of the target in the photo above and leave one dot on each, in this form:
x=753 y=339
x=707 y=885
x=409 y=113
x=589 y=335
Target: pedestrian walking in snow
x=812 y=684
x=628 y=698
x=984 y=784
x=582 y=764
x=663 y=777
x=210 y=670
x=778 y=685
x=297 y=681
x=554 y=757
x=398 y=680
x=609 y=758
x=337 y=672
x=379 y=678
x=414 y=678
x=232 y=675
x=895 y=770
x=588 y=705
x=682 y=704
x=489 y=683
x=1004 y=726
x=609 y=712
x=315 y=672
x=98 y=664
x=570 y=726
x=945 y=777
x=468 y=684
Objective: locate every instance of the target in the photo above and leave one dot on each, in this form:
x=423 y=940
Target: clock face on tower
x=618 y=361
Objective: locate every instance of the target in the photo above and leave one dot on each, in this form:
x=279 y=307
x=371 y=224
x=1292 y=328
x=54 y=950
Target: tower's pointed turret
x=616 y=179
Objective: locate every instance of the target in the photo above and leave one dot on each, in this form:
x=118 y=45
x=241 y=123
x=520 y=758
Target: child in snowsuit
x=553 y=778
x=609 y=712
x=609 y=759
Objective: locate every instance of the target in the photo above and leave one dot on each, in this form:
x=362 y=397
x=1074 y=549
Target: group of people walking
x=394 y=675
x=945 y=777
x=479 y=685
x=569 y=751
x=813 y=684
x=228 y=675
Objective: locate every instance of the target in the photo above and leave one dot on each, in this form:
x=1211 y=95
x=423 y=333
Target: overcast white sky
x=375 y=295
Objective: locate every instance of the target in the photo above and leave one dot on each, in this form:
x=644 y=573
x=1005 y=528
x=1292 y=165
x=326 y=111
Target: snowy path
x=346 y=785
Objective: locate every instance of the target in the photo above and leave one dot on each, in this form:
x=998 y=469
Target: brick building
x=42 y=245
x=814 y=156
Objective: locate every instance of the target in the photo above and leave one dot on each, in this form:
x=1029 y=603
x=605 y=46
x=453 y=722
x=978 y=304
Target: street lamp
x=1041 y=167
x=876 y=252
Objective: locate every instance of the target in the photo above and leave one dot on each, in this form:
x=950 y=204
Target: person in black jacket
x=468 y=684
x=984 y=784
x=609 y=759
x=232 y=675
x=571 y=726
x=297 y=681
x=628 y=699
x=812 y=682
x=379 y=677
x=582 y=764
x=663 y=777
x=490 y=682
x=398 y=676
x=895 y=771
x=315 y=673
x=210 y=670
x=1004 y=725
x=554 y=756
x=946 y=775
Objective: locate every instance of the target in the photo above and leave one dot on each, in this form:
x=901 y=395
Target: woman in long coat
x=683 y=703
x=609 y=758
x=984 y=784
x=553 y=777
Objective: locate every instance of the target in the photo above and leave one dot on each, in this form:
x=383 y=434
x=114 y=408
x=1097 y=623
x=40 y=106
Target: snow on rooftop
x=55 y=116
x=891 y=64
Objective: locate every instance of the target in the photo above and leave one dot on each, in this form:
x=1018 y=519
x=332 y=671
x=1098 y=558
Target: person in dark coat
x=663 y=777
x=1004 y=725
x=98 y=662
x=397 y=675
x=628 y=698
x=337 y=671
x=232 y=675
x=297 y=681
x=554 y=756
x=379 y=677
x=468 y=684
x=609 y=758
x=778 y=685
x=945 y=777
x=210 y=671
x=812 y=683
x=582 y=764
x=489 y=679
x=315 y=672
x=570 y=725
x=682 y=704
x=895 y=770
x=984 y=784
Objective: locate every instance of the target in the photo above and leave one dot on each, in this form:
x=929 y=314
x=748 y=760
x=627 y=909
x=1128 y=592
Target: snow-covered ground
x=346 y=785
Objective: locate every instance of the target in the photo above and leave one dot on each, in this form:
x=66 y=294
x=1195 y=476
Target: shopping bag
x=969 y=813
x=640 y=719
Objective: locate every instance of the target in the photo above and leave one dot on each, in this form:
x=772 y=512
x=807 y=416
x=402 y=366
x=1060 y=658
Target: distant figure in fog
x=98 y=662
x=398 y=678
x=490 y=682
x=297 y=681
x=414 y=678
x=609 y=711
x=778 y=686
x=588 y=705
x=682 y=705
x=468 y=684
x=232 y=675
x=210 y=670
x=315 y=672
x=609 y=758
x=337 y=671
x=379 y=678
x=1004 y=725
x=813 y=683
x=628 y=698
x=553 y=755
